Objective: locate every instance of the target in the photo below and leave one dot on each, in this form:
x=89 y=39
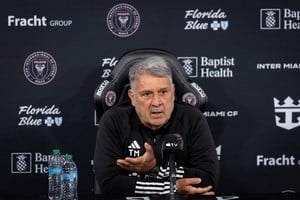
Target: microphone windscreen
x=172 y=142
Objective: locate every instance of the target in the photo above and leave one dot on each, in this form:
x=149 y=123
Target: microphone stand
x=172 y=175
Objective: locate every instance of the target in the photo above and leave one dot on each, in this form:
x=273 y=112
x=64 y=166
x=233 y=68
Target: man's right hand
x=142 y=164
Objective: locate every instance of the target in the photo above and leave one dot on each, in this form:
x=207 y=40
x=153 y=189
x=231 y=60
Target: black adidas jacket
x=121 y=134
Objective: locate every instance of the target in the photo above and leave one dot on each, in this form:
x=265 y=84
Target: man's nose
x=156 y=101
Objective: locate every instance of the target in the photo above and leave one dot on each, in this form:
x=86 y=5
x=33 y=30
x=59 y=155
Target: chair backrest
x=113 y=91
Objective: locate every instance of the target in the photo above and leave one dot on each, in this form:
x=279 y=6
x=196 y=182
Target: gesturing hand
x=186 y=186
x=141 y=164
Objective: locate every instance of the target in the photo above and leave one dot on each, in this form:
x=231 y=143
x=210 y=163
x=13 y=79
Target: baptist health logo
x=270 y=19
x=20 y=163
x=210 y=67
x=276 y=18
x=288 y=109
x=26 y=162
x=190 y=65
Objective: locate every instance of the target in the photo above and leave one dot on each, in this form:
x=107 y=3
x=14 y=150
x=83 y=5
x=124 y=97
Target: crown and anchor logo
x=288 y=108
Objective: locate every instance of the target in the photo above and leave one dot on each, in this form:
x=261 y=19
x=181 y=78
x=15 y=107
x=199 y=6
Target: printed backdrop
x=244 y=54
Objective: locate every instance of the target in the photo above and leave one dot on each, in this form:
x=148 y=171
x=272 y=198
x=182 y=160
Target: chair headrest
x=113 y=91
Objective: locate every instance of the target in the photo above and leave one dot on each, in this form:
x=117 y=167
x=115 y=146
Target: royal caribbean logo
x=288 y=112
x=40 y=68
x=20 y=163
x=123 y=20
x=276 y=18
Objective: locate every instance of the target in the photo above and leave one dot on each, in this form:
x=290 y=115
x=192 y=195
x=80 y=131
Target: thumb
x=148 y=147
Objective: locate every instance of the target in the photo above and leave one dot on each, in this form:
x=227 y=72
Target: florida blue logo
x=123 y=20
x=40 y=68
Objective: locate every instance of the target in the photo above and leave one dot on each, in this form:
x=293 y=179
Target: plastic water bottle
x=70 y=179
x=55 y=175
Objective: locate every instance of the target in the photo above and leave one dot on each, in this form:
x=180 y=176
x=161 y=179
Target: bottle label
x=54 y=170
x=70 y=176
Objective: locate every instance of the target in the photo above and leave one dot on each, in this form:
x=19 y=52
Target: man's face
x=153 y=98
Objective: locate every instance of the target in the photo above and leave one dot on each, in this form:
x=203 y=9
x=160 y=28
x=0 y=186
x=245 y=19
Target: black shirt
x=121 y=134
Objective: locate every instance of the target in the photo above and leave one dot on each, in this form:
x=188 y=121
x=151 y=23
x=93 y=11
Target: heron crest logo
x=40 y=68
x=123 y=20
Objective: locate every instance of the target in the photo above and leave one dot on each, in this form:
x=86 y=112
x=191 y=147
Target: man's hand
x=141 y=164
x=186 y=186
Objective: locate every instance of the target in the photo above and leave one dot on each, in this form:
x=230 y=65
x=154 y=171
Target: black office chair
x=113 y=91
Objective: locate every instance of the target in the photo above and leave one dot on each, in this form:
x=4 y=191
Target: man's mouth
x=156 y=113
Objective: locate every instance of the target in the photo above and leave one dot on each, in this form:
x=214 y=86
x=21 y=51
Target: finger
x=148 y=148
x=201 y=191
x=209 y=193
x=123 y=165
x=122 y=162
x=127 y=165
x=205 y=190
x=193 y=181
x=132 y=161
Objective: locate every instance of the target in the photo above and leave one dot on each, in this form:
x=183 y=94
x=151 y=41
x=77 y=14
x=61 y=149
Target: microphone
x=172 y=144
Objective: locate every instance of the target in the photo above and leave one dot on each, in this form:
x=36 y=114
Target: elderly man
x=128 y=156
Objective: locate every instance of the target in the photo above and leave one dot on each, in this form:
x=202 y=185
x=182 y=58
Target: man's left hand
x=187 y=186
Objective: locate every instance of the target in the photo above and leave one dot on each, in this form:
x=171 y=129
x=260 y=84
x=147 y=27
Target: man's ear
x=131 y=96
x=173 y=91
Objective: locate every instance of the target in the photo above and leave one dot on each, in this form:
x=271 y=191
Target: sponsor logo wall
x=245 y=59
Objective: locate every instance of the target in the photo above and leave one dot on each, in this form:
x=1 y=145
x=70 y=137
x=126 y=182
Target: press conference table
x=281 y=196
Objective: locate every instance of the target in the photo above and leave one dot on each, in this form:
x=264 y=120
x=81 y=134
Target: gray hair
x=154 y=65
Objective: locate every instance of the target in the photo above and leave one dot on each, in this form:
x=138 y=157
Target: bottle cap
x=69 y=156
x=56 y=151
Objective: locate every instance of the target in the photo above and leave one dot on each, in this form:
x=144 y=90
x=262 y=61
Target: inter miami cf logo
x=40 y=68
x=288 y=109
x=21 y=163
x=123 y=20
